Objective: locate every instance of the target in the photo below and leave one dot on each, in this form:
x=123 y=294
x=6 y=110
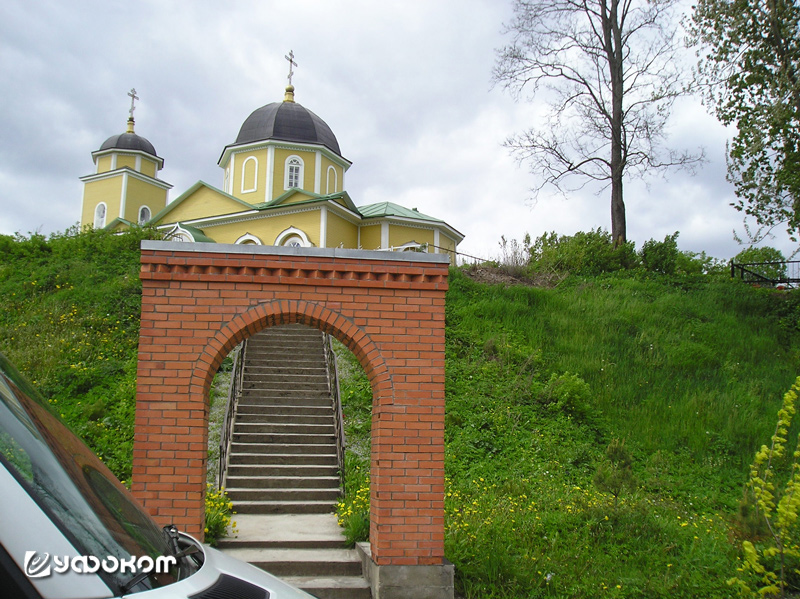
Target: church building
x=283 y=183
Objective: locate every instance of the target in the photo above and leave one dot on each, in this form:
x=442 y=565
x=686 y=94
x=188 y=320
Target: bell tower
x=125 y=185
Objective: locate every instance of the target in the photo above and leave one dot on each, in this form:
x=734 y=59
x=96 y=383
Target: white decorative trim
x=284 y=235
x=436 y=241
x=232 y=165
x=255 y=178
x=123 y=194
x=317 y=172
x=283 y=145
x=248 y=238
x=114 y=161
x=138 y=163
x=270 y=173
x=323 y=227
x=130 y=172
x=384 y=235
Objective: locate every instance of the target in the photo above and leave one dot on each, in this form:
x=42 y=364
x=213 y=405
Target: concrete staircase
x=282 y=471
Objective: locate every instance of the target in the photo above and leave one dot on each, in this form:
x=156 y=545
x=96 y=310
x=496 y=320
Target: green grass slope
x=686 y=371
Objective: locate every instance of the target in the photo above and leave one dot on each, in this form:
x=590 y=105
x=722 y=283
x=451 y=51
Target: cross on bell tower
x=133 y=97
x=292 y=63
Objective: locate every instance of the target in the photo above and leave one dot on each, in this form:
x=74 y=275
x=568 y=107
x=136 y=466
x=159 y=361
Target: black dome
x=129 y=141
x=287 y=121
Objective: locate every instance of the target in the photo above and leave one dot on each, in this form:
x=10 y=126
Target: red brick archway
x=200 y=300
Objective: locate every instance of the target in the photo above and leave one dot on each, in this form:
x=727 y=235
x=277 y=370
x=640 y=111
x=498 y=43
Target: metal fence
x=776 y=274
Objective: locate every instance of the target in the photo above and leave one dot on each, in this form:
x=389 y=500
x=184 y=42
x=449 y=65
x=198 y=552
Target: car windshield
x=79 y=493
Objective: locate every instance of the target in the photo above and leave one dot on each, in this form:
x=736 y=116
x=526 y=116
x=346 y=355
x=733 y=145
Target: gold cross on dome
x=292 y=63
x=134 y=97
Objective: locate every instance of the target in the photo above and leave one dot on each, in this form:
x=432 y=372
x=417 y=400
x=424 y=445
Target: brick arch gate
x=200 y=300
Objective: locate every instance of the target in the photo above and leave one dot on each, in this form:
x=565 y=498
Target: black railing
x=234 y=393
x=775 y=274
x=333 y=387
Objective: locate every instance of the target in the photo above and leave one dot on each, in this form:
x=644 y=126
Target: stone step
x=249 y=470
x=302 y=562
x=288 y=352
x=284 y=418
x=254 y=391
x=278 y=449
x=285 y=367
x=283 y=482
x=300 y=411
x=238 y=495
x=284 y=507
x=332 y=587
x=317 y=428
x=242 y=458
x=287 y=439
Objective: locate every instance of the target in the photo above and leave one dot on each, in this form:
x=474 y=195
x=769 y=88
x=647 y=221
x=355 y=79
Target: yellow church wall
x=148 y=168
x=268 y=229
x=259 y=173
x=371 y=237
x=104 y=164
x=141 y=194
x=124 y=160
x=309 y=164
x=340 y=231
x=202 y=203
x=399 y=235
x=106 y=190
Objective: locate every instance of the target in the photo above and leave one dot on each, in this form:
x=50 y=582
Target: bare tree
x=612 y=72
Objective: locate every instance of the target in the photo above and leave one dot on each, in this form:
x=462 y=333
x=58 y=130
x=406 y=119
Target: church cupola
x=283 y=146
x=125 y=186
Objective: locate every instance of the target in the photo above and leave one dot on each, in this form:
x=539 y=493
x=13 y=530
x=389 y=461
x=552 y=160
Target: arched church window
x=333 y=180
x=293 y=237
x=144 y=215
x=100 y=216
x=294 y=172
x=249 y=174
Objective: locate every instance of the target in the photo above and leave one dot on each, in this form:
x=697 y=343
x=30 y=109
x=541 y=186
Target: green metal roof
x=391 y=209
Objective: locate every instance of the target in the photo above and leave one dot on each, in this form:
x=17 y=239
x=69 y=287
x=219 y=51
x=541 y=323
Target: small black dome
x=287 y=121
x=129 y=141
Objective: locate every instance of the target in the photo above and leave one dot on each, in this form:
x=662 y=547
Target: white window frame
x=248 y=238
x=287 y=169
x=292 y=232
x=255 y=177
x=149 y=215
x=100 y=221
x=328 y=179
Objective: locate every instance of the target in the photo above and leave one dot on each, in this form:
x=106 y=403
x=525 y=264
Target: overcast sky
x=405 y=87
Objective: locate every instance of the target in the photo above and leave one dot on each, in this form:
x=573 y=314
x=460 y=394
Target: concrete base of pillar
x=406 y=582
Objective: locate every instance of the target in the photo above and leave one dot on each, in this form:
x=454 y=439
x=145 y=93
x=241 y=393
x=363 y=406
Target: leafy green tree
x=750 y=67
x=609 y=70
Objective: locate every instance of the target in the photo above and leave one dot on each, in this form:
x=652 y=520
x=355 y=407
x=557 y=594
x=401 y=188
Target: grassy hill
x=686 y=372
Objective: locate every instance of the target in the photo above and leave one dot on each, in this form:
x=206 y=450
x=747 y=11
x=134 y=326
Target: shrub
x=661 y=256
x=773 y=490
x=615 y=473
x=585 y=254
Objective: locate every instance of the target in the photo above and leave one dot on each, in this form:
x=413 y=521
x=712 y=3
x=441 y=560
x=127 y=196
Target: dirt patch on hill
x=499 y=275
